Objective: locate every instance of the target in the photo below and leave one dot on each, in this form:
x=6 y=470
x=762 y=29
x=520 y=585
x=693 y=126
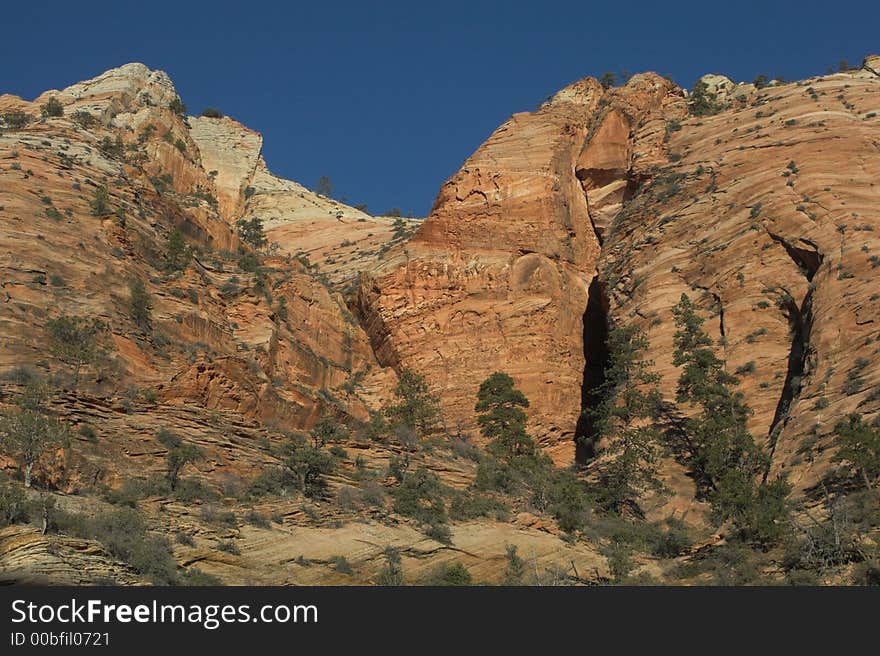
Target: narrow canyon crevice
x=800 y=324
x=800 y=320
x=595 y=337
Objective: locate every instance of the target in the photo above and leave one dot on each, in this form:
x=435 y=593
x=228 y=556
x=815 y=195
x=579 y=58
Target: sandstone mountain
x=599 y=209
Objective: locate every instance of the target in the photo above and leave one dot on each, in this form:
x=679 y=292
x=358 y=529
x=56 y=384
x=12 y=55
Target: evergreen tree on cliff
x=725 y=460
x=416 y=408
x=625 y=419
x=502 y=419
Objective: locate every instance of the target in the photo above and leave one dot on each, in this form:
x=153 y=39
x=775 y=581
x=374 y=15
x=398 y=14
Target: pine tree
x=29 y=431
x=518 y=465
x=625 y=419
x=719 y=437
x=608 y=80
x=724 y=457
x=324 y=187
x=176 y=252
x=139 y=303
x=74 y=340
x=860 y=446
x=503 y=420
x=100 y=202
x=251 y=232
x=416 y=408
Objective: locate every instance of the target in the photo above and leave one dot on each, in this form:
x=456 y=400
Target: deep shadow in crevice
x=808 y=260
x=800 y=321
x=595 y=339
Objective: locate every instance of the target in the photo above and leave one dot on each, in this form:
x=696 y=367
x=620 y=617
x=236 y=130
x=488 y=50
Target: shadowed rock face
x=497 y=278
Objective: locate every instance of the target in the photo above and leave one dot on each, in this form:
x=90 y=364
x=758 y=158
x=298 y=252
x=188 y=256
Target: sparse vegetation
x=452 y=574
x=420 y=496
x=100 y=202
x=703 y=102
x=139 y=304
x=251 y=232
x=74 y=340
x=29 y=430
x=178 y=456
x=124 y=535
x=860 y=448
x=16 y=120
x=51 y=108
x=177 y=107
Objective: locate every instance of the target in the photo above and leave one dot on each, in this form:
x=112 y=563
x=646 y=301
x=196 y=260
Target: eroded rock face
x=627 y=141
x=764 y=213
x=767 y=219
x=602 y=207
x=497 y=278
x=283 y=354
x=115 y=91
x=230 y=153
x=872 y=64
x=336 y=240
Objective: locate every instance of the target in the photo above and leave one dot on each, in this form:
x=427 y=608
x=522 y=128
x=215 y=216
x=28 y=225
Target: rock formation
x=599 y=209
x=497 y=278
x=766 y=214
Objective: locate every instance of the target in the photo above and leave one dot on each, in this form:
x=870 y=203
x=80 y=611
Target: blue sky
x=388 y=99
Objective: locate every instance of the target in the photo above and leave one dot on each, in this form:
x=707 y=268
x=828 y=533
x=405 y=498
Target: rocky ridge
x=601 y=207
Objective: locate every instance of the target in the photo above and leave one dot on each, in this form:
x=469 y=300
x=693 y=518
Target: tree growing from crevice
x=724 y=458
x=100 y=202
x=139 y=304
x=703 y=102
x=608 y=79
x=177 y=253
x=251 y=232
x=177 y=106
x=625 y=419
